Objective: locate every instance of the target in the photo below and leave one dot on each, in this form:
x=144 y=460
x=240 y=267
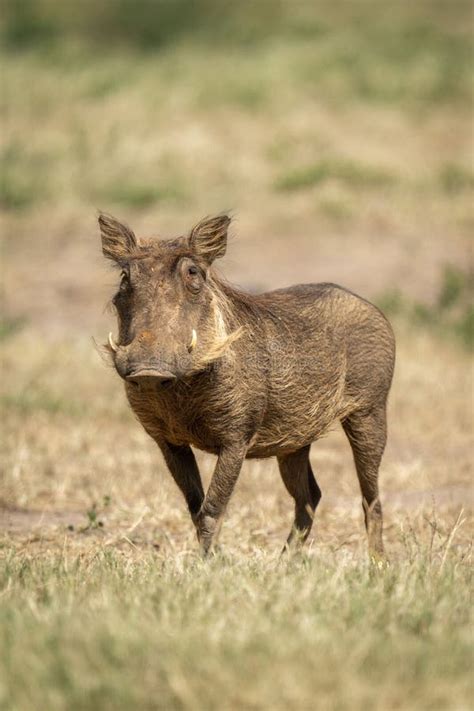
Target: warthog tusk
x=193 y=341
x=112 y=343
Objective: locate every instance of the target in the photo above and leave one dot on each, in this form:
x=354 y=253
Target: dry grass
x=344 y=144
x=70 y=441
x=136 y=630
x=104 y=600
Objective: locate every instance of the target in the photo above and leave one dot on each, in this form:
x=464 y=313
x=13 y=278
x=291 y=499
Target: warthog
x=246 y=376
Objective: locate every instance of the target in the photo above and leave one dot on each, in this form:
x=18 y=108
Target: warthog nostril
x=150 y=376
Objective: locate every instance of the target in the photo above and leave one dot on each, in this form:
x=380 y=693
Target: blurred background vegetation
x=339 y=132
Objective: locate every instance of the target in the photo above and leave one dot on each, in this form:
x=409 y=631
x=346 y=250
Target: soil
x=20 y=522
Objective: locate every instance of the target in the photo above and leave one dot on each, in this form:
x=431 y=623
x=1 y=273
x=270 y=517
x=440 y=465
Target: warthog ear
x=208 y=239
x=118 y=240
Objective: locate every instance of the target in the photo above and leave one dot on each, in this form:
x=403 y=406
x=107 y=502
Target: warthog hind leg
x=367 y=434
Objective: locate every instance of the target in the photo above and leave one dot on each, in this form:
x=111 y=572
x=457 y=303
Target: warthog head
x=170 y=318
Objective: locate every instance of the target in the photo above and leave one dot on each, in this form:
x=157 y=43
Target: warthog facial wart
x=268 y=375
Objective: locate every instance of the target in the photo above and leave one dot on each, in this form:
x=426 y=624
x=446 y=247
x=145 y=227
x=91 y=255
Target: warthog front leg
x=182 y=465
x=299 y=480
x=220 y=490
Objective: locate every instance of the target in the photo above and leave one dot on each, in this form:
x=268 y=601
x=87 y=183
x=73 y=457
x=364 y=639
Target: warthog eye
x=192 y=276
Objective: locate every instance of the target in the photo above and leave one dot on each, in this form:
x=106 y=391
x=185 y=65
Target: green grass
x=22 y=177
x=450 y=316
x=138 y=195
x=455 y=178
x=105 y=83
x=420 y=54
x=120 y=631
x=349 y=173
x=10 y=326
x=338 y=210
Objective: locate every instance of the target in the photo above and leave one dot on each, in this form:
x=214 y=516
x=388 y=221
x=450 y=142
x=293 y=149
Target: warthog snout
x=137 y=368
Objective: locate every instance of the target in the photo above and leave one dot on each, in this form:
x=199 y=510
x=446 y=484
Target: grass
x=105 y=602
x=420 y=53
x=454 y=179
x=136 y=121
x=10 y=326
x=21 y=186
x=452 y=313
x=137 y=195
x=349 y=173
x=233 y=633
